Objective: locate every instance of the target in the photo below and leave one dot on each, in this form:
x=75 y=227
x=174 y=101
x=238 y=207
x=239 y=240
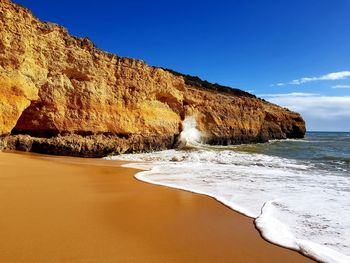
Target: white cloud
x=341 y=87
x=329 y=76
x=328 y=113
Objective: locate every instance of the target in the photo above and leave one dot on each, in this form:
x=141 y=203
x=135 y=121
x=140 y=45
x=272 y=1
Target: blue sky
x=284 y=51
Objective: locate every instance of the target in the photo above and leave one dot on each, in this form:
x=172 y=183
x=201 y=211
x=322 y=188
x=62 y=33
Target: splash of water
x=190 y=135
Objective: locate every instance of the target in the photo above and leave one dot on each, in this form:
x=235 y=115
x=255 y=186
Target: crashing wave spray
x=190 y=135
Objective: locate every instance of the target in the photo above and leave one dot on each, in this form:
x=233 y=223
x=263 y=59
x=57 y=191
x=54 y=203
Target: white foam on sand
x=295 y=204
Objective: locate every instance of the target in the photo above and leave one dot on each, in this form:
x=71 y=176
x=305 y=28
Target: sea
x=298 y=191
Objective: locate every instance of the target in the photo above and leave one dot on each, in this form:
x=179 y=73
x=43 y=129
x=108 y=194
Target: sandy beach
x=61 y=209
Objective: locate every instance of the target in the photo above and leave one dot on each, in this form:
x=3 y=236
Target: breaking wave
x=298 y=203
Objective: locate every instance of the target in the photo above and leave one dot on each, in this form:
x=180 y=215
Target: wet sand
x=61 y=209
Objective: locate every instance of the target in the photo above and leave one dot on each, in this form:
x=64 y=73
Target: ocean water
x=298 y=191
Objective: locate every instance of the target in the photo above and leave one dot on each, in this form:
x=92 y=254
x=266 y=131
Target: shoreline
x=139 y=176
x=66 y=209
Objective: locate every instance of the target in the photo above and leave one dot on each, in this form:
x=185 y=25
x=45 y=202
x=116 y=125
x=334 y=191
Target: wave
x=295 y=204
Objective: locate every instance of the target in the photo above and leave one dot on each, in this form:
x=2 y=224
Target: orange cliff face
x=72 y=98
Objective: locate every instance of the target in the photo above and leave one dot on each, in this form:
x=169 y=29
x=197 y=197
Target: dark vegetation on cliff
x=195 y=81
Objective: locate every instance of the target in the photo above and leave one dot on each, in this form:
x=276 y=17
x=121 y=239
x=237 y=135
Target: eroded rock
x=72 y=98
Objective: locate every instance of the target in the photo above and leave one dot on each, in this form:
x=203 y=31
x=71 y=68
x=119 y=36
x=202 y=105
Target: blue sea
x=298 y=191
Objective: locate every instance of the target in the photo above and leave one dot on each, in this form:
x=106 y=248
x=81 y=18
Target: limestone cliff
x=68 y=97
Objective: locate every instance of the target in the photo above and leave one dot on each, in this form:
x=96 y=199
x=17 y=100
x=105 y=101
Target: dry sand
x=60 y=209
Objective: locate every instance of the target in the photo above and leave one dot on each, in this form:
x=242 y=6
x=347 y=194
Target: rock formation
x=62 y=95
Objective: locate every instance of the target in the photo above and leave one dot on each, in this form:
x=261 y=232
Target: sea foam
x=301 y=205
x=294 y=203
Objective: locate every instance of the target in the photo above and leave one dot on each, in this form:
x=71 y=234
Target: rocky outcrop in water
x=62 y=95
